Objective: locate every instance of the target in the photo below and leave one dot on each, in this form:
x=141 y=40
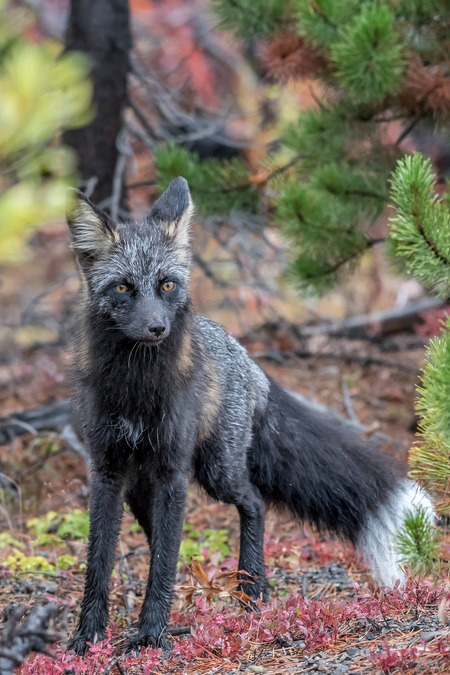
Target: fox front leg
x=105 y=517
x=167 y=513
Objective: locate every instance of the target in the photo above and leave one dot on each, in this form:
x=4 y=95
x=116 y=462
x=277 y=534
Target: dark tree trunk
x=101 y=29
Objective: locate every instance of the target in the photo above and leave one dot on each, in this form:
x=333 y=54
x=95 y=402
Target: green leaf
x=75 y=525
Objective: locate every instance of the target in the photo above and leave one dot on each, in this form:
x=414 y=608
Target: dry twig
x=32 y=635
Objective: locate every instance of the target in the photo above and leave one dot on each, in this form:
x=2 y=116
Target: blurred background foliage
x=43 y=92
x=375 y=67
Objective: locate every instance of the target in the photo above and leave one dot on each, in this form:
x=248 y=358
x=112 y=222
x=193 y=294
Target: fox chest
x=133 y=432
x=156 y=430
x=155 y=419
x=146 y=430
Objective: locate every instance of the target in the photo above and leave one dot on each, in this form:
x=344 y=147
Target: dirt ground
x=324 y=613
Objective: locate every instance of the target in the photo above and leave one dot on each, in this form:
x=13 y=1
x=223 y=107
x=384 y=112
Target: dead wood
x=32 y=635
x=353 y=424
x=53 y=416
x=382 y=323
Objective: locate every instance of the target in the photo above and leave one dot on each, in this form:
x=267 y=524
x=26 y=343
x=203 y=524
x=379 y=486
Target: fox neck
x=123 y=370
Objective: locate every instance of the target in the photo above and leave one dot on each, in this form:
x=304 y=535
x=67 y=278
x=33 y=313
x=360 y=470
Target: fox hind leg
x=250 y=506
x=228 y=482
x=139 y=497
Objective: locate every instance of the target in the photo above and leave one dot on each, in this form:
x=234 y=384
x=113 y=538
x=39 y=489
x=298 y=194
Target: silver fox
x=162 y=395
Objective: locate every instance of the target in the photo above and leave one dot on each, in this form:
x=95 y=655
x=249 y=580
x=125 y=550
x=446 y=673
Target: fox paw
x=78 y=643
x=136 y=642
x=254 y=597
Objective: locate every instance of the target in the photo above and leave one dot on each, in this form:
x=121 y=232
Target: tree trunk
x=101 y=29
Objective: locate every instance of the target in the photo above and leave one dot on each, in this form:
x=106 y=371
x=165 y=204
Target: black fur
x=335 y=481
x=194 y=403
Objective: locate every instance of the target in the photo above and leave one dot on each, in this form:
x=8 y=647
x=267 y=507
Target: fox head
x=135 y=275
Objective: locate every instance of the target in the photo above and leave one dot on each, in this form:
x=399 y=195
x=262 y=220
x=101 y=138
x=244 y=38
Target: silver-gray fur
x=162 y=395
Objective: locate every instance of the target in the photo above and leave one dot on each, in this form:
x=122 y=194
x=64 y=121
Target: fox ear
x=172 y=213
x=93 y=232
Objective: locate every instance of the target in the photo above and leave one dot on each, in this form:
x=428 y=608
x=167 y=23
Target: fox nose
x=156 y=329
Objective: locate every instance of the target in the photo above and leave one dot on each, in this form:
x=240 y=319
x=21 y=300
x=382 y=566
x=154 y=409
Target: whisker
x=131 y=352
x=138 y=350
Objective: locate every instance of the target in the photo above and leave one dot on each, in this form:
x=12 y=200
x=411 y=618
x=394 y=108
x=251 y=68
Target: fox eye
x=121 y=288
x=168 y=286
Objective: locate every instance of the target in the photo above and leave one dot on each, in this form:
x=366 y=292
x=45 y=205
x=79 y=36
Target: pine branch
x=362 y=193
x=421 y=224
x=331 y=271
x=368 y=55
x=431 y=245
x=417 y=543
x=407 y=131
x=251 y=184
x=251 y=18
x=216 y=186
x=430 y=459
x=285 y=167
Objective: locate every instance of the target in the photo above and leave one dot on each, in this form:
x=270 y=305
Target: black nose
x=157 y=329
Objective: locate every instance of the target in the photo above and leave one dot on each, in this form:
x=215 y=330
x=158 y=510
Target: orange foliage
x=287 y=57
x=426 y=88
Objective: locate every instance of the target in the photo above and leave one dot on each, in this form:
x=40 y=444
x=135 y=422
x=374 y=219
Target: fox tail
x=326 y=475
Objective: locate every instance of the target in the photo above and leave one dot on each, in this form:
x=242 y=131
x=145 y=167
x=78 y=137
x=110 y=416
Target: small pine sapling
x=417 y=543
x=421 y=238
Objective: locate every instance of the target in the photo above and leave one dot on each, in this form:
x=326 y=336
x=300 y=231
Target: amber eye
x=168 y=286
x=121 y=288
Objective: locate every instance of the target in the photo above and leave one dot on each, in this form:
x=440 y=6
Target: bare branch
x=32 y=635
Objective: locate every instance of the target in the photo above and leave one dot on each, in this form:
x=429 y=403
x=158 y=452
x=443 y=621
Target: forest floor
x=324 y=613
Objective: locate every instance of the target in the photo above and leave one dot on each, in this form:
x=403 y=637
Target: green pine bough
x=340 y=185
x=430 y=458
x=421 y=227
x=310 y=215
x=216 y=186
x=251 y=18
x=368 y=56
x=420 y=235
x=418 y=545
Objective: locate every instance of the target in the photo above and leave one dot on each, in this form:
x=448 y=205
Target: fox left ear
x=172 y=213
x=93 y=232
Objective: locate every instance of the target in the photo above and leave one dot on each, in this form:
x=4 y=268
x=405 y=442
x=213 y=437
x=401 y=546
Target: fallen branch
x=52 y=417
x=279 y=356
x=348 y=402
x=19 y=639
x=43 y=418
x=382 y=323
x=378 y=438
x=179 y=630
x=362 y=361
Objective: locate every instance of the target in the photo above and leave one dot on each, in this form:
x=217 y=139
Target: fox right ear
x=172 y=213
x=93 y=232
